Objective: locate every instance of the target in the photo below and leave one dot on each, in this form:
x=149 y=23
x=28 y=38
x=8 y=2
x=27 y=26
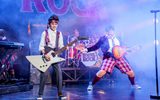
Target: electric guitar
x=40 y=62
x=119 y=51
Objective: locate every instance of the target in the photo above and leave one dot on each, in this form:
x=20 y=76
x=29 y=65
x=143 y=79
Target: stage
x=82 y=24
x=104 y=90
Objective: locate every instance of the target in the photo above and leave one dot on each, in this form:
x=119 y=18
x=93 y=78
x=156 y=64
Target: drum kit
x=90 y=59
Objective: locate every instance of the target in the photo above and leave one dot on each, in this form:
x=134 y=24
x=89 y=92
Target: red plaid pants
x=109 y=64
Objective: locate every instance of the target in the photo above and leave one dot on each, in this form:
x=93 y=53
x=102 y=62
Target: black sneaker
x=61 y=97
x=136 y=86
x=39 y=97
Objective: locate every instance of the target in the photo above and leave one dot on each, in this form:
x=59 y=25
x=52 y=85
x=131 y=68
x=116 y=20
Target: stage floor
x=103 y=90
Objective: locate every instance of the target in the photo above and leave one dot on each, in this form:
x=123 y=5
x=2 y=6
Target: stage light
x=156 y=42
x=157 y=21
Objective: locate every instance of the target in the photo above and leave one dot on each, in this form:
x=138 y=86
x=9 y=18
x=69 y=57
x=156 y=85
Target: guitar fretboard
x=65 y=47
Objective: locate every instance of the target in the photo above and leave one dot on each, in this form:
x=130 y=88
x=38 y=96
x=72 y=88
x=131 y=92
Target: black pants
x=43 y=77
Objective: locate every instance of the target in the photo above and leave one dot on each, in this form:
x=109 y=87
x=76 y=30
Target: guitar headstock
x=134 y=48
x=78 y=38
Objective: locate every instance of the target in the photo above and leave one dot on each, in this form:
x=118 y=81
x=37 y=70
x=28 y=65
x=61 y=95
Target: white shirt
x=52 y=39
x=112 y=42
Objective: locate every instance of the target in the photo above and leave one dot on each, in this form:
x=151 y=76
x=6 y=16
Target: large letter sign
x=27 y=6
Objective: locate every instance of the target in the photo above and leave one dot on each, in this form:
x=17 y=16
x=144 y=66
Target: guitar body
x=41 y=63
x=118 y=51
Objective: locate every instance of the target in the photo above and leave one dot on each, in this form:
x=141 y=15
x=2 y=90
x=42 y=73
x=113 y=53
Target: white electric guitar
x=42 y=64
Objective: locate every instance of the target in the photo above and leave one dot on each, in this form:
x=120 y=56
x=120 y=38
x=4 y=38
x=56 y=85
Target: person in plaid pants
x=106 y=43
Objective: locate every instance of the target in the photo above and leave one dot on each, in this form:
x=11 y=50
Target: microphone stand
x=156 y=67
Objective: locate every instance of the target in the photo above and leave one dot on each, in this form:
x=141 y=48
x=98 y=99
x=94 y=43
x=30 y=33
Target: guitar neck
x=65 y=47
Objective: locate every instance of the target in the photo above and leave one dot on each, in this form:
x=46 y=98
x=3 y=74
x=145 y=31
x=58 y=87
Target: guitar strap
x=57 y=40
x=47 y=37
